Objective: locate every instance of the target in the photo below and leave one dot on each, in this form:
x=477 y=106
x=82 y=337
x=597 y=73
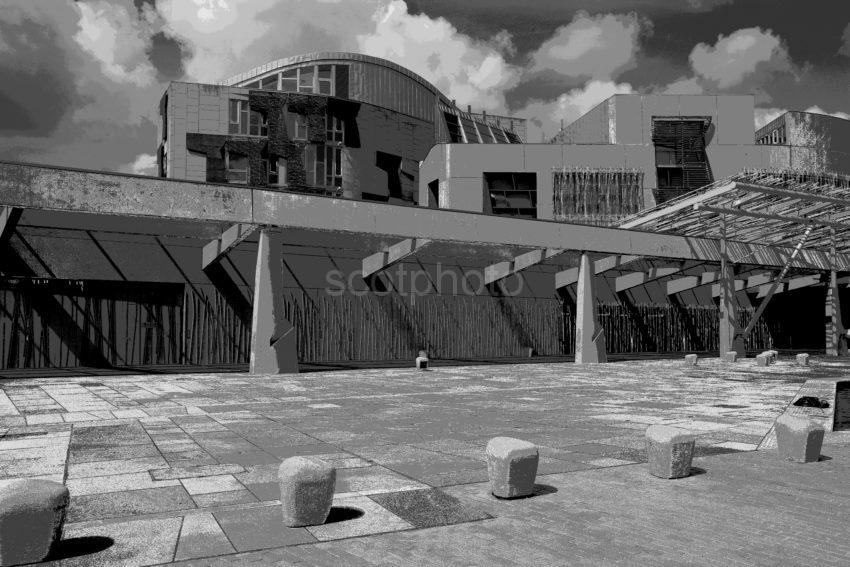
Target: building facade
x=338 y=124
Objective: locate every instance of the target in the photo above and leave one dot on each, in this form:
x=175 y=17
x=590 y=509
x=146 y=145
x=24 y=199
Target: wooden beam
x=751 y=282
x=570 y=276
x=388 y=256
x=790 y=193
x=501 y=270
x=229 y=239
x=791 y=285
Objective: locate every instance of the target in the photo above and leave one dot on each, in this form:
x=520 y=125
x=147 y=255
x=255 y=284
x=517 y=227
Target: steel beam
x=501 y=270
x=790 y=193
x=686 y=203
x=99 y=193
x=392 y=254
x=571 y=275
x=769 y=216
x=9 y=217
x=227 y=241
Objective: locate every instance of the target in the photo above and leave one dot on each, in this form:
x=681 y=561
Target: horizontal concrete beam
x=689 y=282
x=501 y=270
x=51 y=188
x=388 y=256
x=629 y=281
x=229 y=239
x=570 y=276
x=791 y=285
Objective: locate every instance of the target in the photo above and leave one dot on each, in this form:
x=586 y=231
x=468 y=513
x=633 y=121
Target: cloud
x=596 y=47
x=766 y=115
x=818 y=110
x=144 y=164
x=118 y=40
x=469 y=71
x=845 y=39
x=683 y=86
x=544 y=117
x=740 y=54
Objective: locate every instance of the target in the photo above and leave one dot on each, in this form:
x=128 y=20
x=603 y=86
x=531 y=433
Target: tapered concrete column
x=590 y=338
x=731 y=337
x=836 y=344
x=273 y=347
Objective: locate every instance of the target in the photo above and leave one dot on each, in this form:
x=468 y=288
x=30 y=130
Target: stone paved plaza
x=182 y=468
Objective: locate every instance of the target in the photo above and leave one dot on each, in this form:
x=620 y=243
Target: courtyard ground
x=182 y=468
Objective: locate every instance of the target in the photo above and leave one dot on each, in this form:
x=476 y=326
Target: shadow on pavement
x=77 y=546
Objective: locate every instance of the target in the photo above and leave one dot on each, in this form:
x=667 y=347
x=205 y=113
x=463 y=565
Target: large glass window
x=245 y=121
x=335 y=129
x=269 y=83
x=237 y=167
x=325 y=79
x=289 y=80
x=512 y=194
x=333 y=166
x=305 y=79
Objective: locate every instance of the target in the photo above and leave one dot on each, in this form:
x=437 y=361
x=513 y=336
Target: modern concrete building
x=330 y=123
x=652 y=148
x=283 y=231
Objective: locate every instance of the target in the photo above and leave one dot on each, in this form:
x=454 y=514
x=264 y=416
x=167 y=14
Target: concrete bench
x=690 y=360
x=669 y=451
x=731 y=356
x=306 y=491
x=802 y=359
x=763 y=359
x=798 y=439
x=511 y=467
x=32 y=514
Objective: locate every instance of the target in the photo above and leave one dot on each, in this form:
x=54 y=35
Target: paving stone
x=87 y=455
x=248 y=458
x=375 y=520
x=135 y=542
x=115 y=483
x=214 y=499
x=201 y=536
x=259 y=528
x=428 y=508
x=191 y=472
x=265 y=490
x=207 y=484
x=128 y=503
x=117 y=466
x=374 y=479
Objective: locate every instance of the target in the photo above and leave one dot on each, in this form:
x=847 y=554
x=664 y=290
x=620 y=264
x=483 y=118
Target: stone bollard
x=306 y=491
x=422 y=362
x=511 y=466
x=669 y=451
x=798 y=439
x=772 y=355
x=731 y=356
x=690 y=360
x=762 y=359
x=32 y=513
x=802 y=359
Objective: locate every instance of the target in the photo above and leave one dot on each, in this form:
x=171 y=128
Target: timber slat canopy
x=760 y=207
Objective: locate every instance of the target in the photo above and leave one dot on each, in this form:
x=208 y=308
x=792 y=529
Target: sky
x=80 y=81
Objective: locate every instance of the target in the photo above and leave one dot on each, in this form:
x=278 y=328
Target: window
x=237 y=167
x=289 y=80
x=246 y=121
x=276 y=168
x=454 y=128
x=305 y=79
x=469 y=130
x=774 y=137
x=512 y=194
x=325 y=79
x=269 y=83
x=335 y=129
x=314 y=164
x=301 y=130
x=333 y=166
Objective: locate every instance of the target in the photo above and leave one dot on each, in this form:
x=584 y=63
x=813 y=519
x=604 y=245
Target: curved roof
x=332 y=56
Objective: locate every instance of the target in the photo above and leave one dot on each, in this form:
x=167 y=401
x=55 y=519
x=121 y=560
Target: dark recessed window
x=512 y=194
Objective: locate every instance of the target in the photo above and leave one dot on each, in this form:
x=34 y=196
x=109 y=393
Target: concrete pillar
x=273 y=346
x=590 y=338
x=836 y=343
x=731 y=336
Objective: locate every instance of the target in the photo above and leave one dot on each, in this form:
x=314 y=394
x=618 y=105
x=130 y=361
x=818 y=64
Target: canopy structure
x=789 y=209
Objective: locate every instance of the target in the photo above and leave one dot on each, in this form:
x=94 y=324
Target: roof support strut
x=388 y=256
x=501 y=270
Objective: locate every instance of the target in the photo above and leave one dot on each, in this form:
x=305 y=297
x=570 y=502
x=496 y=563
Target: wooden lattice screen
x=596 y=196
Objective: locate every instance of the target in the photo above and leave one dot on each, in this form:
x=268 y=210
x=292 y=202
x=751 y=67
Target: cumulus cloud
x=545 y=116
x=469 y=71
x=595 y=47
x=740 y=54
x=845 y=39
x=766 y=115
x=144 y=164
x=818 y=110
x=117 y=39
